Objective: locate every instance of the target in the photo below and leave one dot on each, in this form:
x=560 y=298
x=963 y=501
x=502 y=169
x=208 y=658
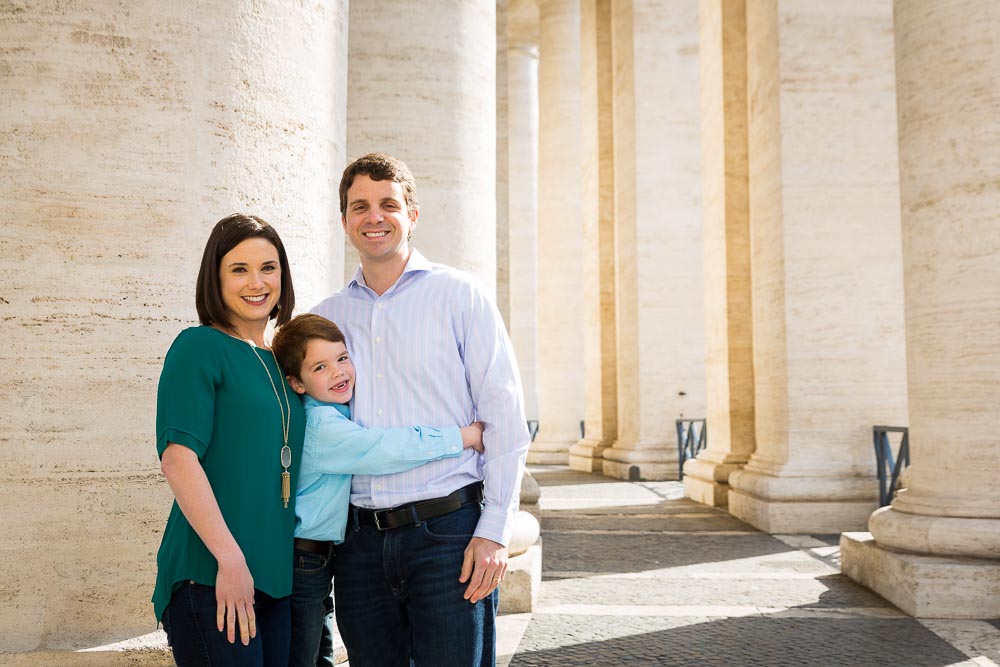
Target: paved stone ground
x=634 y=574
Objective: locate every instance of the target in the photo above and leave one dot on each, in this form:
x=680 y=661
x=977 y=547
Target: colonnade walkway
x=635 y=574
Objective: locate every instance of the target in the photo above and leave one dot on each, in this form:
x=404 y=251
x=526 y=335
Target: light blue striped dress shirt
x=433 y=350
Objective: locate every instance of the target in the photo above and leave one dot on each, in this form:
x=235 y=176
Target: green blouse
x=214 y=398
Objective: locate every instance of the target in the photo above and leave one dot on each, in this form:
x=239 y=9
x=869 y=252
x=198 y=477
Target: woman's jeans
x=398 y=595
x=312 y=610
x=189 y=621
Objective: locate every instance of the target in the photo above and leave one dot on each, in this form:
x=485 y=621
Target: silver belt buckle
x=378 y=524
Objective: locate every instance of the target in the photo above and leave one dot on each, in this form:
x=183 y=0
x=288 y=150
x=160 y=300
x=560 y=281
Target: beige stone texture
x=726 y=216
x=923 y=586
x=949 y=151
x=127 y=132
x=522 y=192
x=560 y=240
x=828 y=342
x=599 y=361
x=502 y=167
x=657 y=192
x=522 y=583
x=422 y=87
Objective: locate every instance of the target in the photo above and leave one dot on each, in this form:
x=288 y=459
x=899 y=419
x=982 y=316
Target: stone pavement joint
x=634 y=574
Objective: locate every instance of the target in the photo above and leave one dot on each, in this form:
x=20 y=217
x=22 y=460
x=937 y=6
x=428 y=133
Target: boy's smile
x=327 y=372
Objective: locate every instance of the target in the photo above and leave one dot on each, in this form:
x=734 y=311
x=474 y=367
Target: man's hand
x=484 y=567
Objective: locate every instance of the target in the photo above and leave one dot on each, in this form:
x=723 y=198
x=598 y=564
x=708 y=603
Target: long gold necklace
x=286 y=422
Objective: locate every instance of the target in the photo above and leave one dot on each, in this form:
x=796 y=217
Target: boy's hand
x=472 y=436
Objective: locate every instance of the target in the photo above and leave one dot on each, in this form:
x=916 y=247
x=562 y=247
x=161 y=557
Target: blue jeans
x=312 y=610
x=398 y=596
x=189 y=621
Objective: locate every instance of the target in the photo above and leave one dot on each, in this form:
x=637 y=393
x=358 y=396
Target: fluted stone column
x=826 y=263
x=599 y=362
x=936 y=550
x=661 y=348
x=560 y=240
x=126 y=133
x=726 y=215
x=522 y=192
x=422 y=87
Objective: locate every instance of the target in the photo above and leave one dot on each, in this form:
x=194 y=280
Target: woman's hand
x=472 y=436
x=234 y=595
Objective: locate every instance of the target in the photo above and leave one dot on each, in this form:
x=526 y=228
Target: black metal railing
x=692 y=437
x=532 y=428
x=889 y=466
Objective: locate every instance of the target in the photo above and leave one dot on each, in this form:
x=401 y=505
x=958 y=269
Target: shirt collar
x=309 y=402
x=416 y=262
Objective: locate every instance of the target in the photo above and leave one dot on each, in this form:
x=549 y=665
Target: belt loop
x=413 y=513
x=354 y=518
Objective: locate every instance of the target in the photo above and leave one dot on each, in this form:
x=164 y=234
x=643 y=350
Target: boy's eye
x=343 y=358
x=319 y=368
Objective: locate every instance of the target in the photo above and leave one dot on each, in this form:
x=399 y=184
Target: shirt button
x=378 y=339
x=380 y=306
x=378 y=375
x=379 y=411
x=378 y=487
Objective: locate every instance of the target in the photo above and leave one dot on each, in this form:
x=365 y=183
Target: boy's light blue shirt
x=335 y=447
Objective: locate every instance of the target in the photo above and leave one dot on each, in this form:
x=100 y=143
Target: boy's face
x=327 y=372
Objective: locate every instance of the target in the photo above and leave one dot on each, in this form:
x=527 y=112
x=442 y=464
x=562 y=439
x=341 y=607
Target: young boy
x=311 y=350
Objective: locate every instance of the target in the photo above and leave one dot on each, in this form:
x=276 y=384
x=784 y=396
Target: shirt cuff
x=496 y=524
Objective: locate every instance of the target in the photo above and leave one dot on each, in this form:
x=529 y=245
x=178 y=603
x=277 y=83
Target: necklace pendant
x=286 y=487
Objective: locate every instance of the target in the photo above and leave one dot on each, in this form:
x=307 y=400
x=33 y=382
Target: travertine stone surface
x=923 y=586
x=828 y=341
x=949 y=150
x=522 y=188
x=127 y=132
x=660 y=336
x=422 y=87
x=560 y=237
x=599 y=362
x=502 y=168
x=726 y=216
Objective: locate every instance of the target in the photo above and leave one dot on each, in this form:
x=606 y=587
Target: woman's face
x=250 y=282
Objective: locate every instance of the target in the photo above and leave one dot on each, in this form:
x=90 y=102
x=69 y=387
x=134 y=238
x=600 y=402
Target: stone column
x=522 y=189
x=726 y=215
x=560 y=240
x=126 y=133
x=936 y=550
x=600 y=388
x=422 y=87
x=826 y=263
x=661 y=345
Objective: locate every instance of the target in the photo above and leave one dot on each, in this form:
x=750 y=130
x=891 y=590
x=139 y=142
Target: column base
x=587 y=455
x=791 y=517
x=651 y=462
x=522 y=583
x=706 y=492
x=707 y=482
x=923 y=586
x=549 y=452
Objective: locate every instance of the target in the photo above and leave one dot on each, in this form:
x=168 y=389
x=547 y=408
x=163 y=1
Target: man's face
x=377 y=222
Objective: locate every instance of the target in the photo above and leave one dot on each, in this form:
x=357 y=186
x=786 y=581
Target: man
x=425 y=550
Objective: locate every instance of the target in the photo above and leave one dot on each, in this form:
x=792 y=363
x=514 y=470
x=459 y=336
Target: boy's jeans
x=312 y=610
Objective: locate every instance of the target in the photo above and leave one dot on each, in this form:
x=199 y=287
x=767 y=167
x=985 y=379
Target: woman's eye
x=239 y=269
x=270 y=268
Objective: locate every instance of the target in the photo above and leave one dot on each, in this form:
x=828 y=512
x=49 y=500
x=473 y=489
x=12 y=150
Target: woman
x=229 y=433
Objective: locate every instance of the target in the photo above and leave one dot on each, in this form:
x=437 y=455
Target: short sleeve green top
x=215 y=398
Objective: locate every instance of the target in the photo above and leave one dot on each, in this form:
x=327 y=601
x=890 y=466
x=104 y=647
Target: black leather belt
x=422 y=510
x=312 y=546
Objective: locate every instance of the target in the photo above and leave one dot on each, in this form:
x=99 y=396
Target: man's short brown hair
x=380 y=167
x=291 y=340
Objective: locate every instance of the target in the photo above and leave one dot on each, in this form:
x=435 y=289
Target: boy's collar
x=310 y=402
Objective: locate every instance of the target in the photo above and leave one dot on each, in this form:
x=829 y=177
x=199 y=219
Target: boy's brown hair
x=289 y=344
